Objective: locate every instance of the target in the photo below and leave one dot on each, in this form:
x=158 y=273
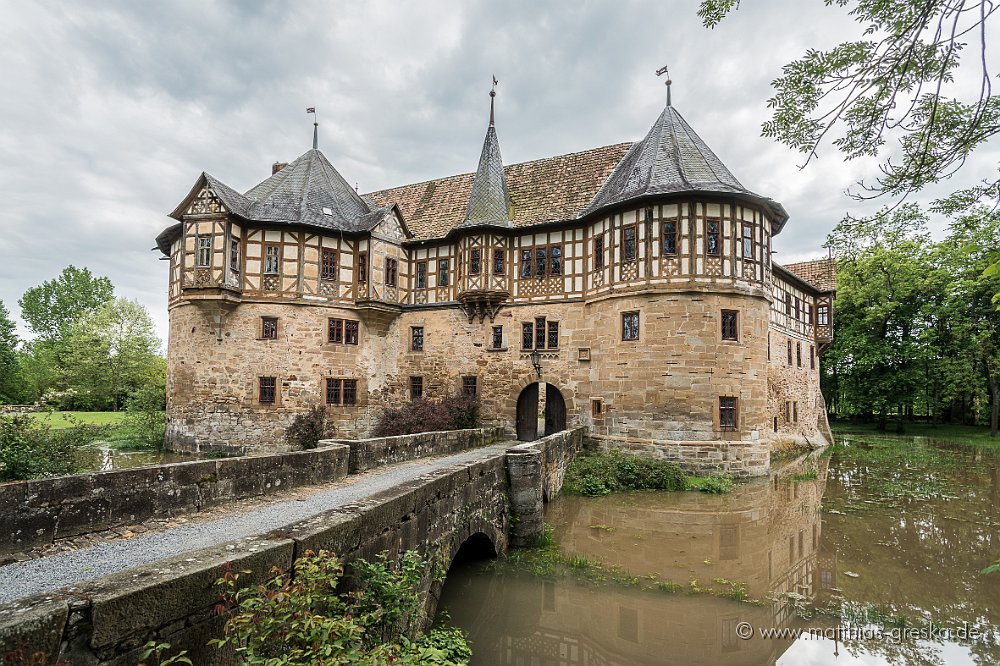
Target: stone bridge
x=480 y=506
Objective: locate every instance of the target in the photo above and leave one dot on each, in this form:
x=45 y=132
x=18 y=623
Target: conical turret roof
x=489 y=202
x=672 y=159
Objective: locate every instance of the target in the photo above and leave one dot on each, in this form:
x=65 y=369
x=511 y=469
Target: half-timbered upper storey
x=662 y=213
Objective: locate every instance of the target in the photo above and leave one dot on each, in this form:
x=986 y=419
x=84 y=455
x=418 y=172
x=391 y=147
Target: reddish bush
x=450 y=413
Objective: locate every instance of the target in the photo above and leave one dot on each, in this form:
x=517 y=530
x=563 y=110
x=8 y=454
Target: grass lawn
x=62 y=419
x=960 y=434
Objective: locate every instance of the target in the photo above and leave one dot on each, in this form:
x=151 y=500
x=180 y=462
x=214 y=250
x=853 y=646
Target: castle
x=627 y=288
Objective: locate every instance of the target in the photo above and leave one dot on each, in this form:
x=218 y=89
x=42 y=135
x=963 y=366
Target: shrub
x=605 y=473
x=145 y=420
x=450 y=413
x=300 y=618
x=307 y=429
x=717 y=485
x=30 y=449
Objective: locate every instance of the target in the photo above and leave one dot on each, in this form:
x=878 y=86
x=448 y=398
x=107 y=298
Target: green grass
x=958 y=434
x=59 y=420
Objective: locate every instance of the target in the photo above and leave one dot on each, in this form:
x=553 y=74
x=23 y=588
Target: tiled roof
x=673 y=158
x=489 y=202
x=547 y=190
x=821 y=273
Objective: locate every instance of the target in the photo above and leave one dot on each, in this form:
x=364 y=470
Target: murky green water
x=883 y=536
x=95 y=458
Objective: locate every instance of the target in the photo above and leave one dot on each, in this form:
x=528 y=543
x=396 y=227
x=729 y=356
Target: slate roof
x=821 y=273
x=673 y=158
x=489 y=201
x=547 y=190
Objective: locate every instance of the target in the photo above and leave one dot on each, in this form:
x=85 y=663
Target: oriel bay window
x=391 y=271
x=823 y=315
x=727 y=412
x=630 y=326
x=541 y=261
x=341 y=391
x=669 y=237
x=539 y=334
x=204 y=251
x=712 y=245
x=328 y=265
x=475 y=261
x=342 y=331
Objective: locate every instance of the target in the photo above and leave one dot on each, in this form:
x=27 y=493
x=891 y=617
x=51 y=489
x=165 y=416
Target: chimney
x=278 y=166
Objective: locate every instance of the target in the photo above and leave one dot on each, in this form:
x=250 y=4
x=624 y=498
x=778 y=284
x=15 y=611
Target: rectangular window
x=421 y=275
x=712 y=238
x=807 y=309
x=798 y=353
x=269 y=328
x=267 y=387
x=539 y=332
x=350 y=391
x=730 y=325
x=391 y=272
x=328 y=265
x=363 y=268
x=204 y=251
x=341 y=391
x=335 y=331
x=788 y=304
x=470 y=386
x=442 y=272
x=497 y=341
x=795 y=411
x=272 y=256
x=540 y=261
x=416 y=387
x=798 y=309
x=599 y=252
x=670 y=237
x=747 y=241
x=525 y=263
x=727 y=413
x=628 y=243
x=822 y=315
x=788 y=411
x=416 y=338
x=350 y=332
x=234 y=254
x=812 y=357
x=630 y=326
x=527 y=335
x=597 y=407
x=553 y=341
x=789 y=352
x=555 y=260
x=499 y=267
x=475 y=261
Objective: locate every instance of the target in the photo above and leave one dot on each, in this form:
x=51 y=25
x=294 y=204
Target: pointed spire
x=489 y=202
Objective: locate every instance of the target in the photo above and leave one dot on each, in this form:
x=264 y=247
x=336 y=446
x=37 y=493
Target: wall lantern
x=536 y=362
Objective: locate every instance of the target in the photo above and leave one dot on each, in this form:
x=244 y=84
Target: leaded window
x=475 y=261
x=421 y=275
x=599 y=252
x=267 y=389
x=416 y=338
x=712 y=238
x=730 y=325
x=555 y=263
x=234 y=254
x=272 y=255
x=442 y=272
x=525 y=263
x=670 y=237
x=540 y=261
x=342 y=331
x=362 y=268
x=822 y=315
x=628 y=243
x=747 y=241
x=391 y=271
x=269 y=328
x=539 y=332
x=350 y=332
x=527 y=335
x=328 y=265
x=497 y=341
x=727 y=413
x=553 y=338
x=630 y=326
x=498 y=262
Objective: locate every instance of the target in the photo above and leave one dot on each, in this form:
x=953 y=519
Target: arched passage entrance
x=527 y=412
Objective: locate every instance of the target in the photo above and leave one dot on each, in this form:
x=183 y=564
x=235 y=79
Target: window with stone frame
x=789 y=352
x=788 y=411
x=539 y=332
x=342 y=331
x=272 y=259
x=599 y=252
x=669 y=240
x=443 y=266
x=416 y=387
x=475 y=261
x=630 y=326
x=730 y=325
x=204 y=251
x=328 y=265
x=497 y=338
x=267 y=388
x=527 y=335
x=823 y=315
x=628 y=243
x=812 y=357
x=341 y=391
x=421 y=275
x=747 y=240
x=391 y=272
x=350 y=332
x=798 y=353
x=728 y=412
x=713 y=245
x=269 y=328
x=552 y=342
x=795 y=411
x=417 y=338
x=470 y=386
x=362 y=268
x=234 y=255
x=499 y=262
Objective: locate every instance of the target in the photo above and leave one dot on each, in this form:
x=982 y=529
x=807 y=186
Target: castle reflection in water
x=765 y=535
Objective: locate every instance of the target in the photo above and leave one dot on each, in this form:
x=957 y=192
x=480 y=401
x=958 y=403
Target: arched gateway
x=528 y=410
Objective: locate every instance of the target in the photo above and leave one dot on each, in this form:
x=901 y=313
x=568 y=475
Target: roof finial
x=493 y=94
x=660 y=72
x=312 y=110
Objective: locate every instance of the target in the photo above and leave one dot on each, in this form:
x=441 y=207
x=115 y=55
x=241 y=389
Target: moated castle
x=628 y=288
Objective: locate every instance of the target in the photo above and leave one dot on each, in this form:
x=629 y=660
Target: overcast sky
x=110 y=110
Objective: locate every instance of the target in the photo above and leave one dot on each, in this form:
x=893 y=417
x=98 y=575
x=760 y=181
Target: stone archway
x=528 y=412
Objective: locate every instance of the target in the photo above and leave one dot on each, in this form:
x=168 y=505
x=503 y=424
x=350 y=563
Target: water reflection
x=891 y=545
x=96 y=458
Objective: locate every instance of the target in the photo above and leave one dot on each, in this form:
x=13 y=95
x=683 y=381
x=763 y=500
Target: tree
x=892 y=83
x=110 y=353
x=10 y=364
x=51 y=307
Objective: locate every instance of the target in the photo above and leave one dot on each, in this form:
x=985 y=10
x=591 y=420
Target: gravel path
x=49 y=573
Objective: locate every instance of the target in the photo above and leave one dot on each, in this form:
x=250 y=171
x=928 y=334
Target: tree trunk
x=995 y=412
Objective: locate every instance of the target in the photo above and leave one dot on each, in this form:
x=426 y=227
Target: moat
x=878 y=536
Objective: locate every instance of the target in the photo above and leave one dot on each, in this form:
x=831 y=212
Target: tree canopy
x=51 y=307
x=10 y=367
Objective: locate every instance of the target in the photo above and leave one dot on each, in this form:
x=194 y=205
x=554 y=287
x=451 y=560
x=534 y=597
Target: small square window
x=416 y=387
x=416 y=338
x=267 y=388
x=269 y=328
x=470 y=386
x=730 y=325
x=727 y=413
x=630 y=326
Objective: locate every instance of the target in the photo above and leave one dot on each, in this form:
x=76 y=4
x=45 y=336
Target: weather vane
x=493 y=93
x=660 y=72
x=312 y=110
